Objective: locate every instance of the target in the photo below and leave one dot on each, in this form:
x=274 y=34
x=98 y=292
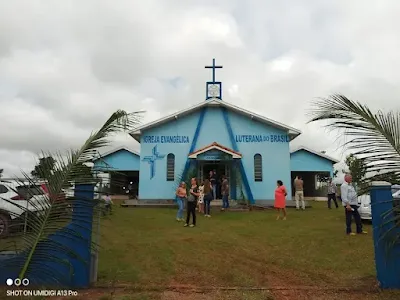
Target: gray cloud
x=66 y=66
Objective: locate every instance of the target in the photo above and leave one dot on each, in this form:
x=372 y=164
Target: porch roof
x=215 y=146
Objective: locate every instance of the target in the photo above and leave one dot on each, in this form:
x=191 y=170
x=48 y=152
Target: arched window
x=170 y=167
x=257 y=167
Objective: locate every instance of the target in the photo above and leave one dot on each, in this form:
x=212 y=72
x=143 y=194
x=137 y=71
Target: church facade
x=251 y=150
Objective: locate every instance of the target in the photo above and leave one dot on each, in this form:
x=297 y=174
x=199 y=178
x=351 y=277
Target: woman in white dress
x=201 y=199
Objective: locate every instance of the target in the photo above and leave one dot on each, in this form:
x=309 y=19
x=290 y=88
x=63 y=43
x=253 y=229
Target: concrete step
x=168 y=203
x=215 y=203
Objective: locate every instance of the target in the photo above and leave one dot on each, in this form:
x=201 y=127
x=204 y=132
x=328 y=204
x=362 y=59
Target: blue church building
x=251 y=150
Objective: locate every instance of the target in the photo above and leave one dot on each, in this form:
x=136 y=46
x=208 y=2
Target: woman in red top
x=280 y=199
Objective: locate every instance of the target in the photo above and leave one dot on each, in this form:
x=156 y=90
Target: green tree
x=44 y=168
x=47 y=167
x=357 y=169
x=60 y=171
x=1 y=173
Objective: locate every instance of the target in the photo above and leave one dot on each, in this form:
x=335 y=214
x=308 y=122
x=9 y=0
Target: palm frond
x=372 y=137
x=53 y=213
x=182 y=177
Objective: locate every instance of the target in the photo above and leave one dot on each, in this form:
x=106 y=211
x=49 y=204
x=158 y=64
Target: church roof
x=217 y=146
x=315 y=153
x=107 y=153
x=292 y=132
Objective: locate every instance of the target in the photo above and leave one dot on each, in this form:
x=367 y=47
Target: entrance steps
x=167 y=203
x=215 y=203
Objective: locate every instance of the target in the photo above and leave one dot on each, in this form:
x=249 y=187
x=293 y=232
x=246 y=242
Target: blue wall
x=275 y=155
x=122 y=160
x=305 y=161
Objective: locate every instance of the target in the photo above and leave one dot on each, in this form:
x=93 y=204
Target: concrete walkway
x=214 y=203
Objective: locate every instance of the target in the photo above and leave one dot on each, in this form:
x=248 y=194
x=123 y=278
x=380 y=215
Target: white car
x=365 y=203
x=14 y=203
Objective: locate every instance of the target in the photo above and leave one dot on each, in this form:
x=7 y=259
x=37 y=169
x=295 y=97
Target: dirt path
x=187 y=292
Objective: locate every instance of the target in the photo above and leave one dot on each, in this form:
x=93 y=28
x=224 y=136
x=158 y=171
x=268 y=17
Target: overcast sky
x=65 y=66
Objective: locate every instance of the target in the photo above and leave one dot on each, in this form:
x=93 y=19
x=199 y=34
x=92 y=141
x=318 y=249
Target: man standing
x=225 y=193
x=331 y=193
x=299 y=193
x=213 y=180
x=350 y=204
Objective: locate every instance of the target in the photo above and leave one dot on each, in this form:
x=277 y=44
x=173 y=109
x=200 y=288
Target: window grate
x=257 y=167
x=170 y=167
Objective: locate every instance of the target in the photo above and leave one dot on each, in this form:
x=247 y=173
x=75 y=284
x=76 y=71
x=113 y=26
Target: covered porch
x=223 y=160
x=315 y=168
x=315 y=184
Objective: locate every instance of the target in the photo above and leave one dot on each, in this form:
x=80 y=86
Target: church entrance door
x=221 y=168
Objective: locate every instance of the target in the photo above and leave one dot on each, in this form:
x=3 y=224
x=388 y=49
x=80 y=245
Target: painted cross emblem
x=152 y=160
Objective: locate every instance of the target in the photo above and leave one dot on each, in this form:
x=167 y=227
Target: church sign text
x=166 y=139
x=273 y=138
x=214 y=155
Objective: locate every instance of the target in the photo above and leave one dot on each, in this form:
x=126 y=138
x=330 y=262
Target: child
x=201 y=199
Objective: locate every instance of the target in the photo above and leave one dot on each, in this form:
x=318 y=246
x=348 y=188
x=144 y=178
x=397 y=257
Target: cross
x=152 y=160
x=213 y=67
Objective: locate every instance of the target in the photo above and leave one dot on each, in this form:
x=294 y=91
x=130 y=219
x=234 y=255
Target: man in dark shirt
x=225 y=193
x=213 y=180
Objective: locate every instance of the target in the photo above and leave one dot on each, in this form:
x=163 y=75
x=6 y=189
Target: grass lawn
x=148 y=248
x=147 y=255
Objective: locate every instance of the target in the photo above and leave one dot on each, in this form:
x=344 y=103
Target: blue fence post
x=82 y=220
x=387 y=258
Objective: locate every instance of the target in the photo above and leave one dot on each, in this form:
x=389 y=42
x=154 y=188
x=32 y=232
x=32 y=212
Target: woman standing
x=280 y=199
x=201 y=199
x=208 y=195
x=181 y=195
x=192 y=202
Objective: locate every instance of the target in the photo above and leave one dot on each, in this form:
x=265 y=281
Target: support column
x=385 y=231
x=82 y=223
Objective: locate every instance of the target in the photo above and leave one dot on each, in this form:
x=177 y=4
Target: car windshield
x=29 y=191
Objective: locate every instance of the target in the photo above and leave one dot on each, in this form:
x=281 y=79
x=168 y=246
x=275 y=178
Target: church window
x=170 y=167
x=257 y=167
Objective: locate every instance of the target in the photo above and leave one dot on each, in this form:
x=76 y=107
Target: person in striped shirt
x=331 y=193
x=350 y=204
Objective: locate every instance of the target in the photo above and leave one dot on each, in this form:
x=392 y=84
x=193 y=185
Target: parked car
x=365 y=203
x=20 y=200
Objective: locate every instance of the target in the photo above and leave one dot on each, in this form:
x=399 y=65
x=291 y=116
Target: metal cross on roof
x=152 y=160
x=213 y=67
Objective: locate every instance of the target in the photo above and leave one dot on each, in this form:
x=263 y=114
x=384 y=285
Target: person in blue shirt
x=350 y=204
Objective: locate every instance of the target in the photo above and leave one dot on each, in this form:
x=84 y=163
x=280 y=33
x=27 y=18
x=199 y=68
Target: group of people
x=348 y=196
x=199 y=197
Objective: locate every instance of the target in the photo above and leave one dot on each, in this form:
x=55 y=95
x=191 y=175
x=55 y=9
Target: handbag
x=191 y=198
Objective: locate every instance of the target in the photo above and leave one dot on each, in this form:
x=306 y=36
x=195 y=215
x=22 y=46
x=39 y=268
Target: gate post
x=387 y=258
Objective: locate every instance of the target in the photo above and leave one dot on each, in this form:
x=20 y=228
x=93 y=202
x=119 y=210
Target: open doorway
x=221 y=168
x=125 y=183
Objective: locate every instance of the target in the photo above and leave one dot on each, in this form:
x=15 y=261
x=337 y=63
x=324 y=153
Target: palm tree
x=68 y=169
x=374 y=138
